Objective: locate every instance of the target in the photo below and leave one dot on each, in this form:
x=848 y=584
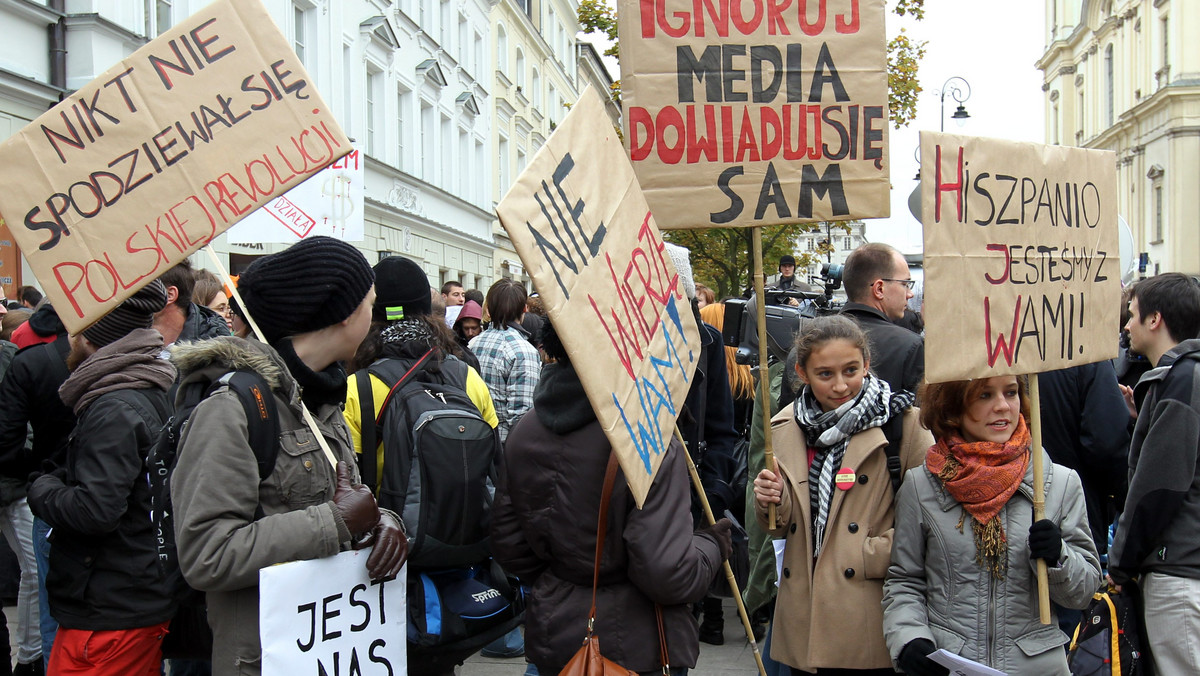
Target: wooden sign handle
x=1039 y=492
x=764 y=378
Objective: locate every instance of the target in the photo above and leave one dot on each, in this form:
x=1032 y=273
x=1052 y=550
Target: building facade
x=405 y=80
x=842 y=244
x=1124 y=75
x=533 y=85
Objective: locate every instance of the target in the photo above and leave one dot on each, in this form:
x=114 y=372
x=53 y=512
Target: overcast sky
x=993 y=45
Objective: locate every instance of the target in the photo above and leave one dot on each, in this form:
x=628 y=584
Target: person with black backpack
x=424 y=428
x=239 y=508
x=105 y=590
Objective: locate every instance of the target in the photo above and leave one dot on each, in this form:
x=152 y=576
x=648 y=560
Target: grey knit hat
x=135 y=312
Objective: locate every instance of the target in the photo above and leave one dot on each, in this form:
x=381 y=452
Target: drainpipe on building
x=58 y=46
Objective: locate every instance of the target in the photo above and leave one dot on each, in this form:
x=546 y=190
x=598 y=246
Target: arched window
x=535 y=88
x=501 y=48
x=520 y=74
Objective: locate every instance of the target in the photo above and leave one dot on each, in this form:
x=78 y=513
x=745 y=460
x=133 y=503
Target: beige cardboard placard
x=745 y=113
x=584 y=232
x=1022 y=273
x=160 y=154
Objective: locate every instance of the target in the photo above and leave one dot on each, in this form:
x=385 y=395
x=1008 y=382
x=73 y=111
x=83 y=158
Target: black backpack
x=190 y=636
x=439 y=458
x=1110 y=639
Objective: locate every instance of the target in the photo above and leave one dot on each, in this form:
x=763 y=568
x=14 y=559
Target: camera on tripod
x=783 y=319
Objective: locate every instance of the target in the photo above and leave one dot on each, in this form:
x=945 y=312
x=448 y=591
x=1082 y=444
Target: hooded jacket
x=936 y=590
x=1157 y=532
x=216 y=493
x=544 y=531
x=30 y=395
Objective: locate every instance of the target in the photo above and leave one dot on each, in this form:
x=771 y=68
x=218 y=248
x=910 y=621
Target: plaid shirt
x=510 y=366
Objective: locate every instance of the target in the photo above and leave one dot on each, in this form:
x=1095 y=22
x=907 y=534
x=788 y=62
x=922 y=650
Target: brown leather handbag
x=588 y=661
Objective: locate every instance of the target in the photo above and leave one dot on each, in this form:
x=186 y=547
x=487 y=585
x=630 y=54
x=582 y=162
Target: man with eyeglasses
x=878 y=285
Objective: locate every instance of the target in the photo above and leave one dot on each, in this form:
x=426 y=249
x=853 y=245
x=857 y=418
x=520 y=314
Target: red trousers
x=127 y=652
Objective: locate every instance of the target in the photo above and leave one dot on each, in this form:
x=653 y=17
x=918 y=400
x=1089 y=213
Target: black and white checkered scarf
x=829 y=433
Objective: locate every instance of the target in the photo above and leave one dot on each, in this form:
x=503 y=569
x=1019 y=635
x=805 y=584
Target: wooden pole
x=1039 y=491
x=764 y=375
x=308 y=418
x=733 y=586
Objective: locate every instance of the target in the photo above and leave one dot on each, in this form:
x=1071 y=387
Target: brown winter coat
x=544 y=531
x=831 y=616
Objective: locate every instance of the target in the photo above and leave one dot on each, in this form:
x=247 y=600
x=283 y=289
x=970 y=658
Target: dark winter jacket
x=202 y=324
x=544 y=531
x=707 y=425
x=29 y=397
x=897 y=354
x=1085 y=427
x=104 y=573
x=1157 y=532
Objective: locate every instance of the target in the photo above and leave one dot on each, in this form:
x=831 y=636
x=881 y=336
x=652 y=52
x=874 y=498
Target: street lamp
x=959 y=90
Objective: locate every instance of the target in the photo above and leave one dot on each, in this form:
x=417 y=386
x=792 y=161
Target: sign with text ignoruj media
x=326 y=616
x=160 y=154
x=329 y=203
x=585 y=235
x=1022 y=273
x=756 y=112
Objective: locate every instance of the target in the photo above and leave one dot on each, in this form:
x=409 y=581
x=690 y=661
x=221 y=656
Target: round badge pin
x=844 y=479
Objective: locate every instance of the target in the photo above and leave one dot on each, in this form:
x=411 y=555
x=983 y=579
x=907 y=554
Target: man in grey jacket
x=1156 y=537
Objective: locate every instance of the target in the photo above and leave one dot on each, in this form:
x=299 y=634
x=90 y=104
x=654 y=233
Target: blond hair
x=741 y=383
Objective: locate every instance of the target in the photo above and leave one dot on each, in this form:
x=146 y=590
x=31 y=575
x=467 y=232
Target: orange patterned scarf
x=982 y=476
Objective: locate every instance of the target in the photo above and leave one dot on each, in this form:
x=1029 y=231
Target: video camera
x=783 y=319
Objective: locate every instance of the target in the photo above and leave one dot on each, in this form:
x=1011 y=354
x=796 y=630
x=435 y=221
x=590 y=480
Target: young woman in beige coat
x=835 y=503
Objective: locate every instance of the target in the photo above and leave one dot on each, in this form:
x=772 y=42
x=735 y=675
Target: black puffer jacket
x=30 y=398
x=544 y=531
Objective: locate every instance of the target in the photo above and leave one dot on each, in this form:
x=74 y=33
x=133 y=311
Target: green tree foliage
x=904 y=54
x=721 y=256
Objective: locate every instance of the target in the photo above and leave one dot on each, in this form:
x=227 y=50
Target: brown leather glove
x=720 y=532
x=355 y=504
x=391 y=547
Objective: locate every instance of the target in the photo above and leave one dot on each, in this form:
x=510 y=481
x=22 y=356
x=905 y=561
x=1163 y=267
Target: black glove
x=1045 y=541
x=355 y=504
x=914 y=659
x=720 y=532
x=391 y=547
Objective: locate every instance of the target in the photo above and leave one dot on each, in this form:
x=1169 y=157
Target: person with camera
x=878 y=286
x=835 y=499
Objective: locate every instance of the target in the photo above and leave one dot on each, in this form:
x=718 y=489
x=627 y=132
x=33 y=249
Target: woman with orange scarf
x=966 y=545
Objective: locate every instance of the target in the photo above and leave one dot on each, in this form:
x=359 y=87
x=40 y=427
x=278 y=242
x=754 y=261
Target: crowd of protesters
x=903 y=510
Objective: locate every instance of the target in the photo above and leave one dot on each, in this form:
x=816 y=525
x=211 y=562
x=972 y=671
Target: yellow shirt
x=477 y=391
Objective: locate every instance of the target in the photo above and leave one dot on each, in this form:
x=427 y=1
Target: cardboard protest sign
x=743 y=113
x=327 y=616
x=329 y=203
x=161 y=153
x=1021 y=256
x=584 y=232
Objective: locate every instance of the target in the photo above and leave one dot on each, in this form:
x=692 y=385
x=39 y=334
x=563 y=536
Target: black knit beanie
x=401 y=290
x=314 y=283
x=135 y=312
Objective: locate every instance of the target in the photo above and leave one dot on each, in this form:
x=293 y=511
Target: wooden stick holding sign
x=729 y=577
x=308 y=418
x=1039 y=492
x=764 y=380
